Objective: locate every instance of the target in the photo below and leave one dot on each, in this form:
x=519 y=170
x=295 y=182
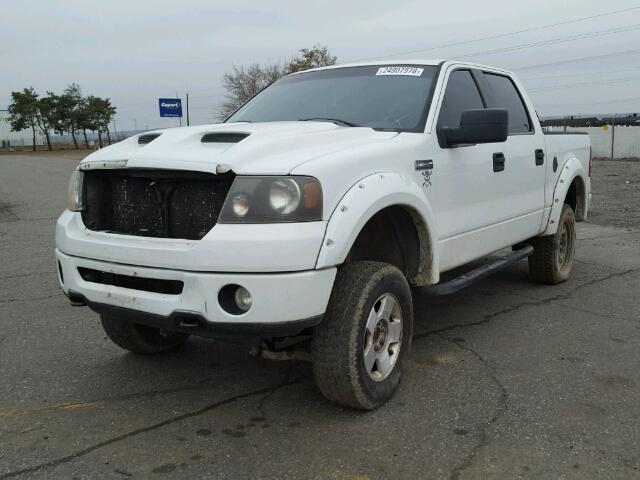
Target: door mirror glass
x=489 y=125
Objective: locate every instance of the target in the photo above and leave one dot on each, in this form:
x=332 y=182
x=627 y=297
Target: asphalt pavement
x=507 y=379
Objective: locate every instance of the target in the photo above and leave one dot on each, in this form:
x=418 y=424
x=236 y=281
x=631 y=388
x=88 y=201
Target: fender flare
x=366 y=198
x=571 y=170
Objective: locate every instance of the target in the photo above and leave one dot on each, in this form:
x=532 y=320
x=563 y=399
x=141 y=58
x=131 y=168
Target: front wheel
x=360 y=347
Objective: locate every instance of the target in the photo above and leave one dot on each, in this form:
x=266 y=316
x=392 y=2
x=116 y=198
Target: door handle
x=539 y=157
x=498 y=162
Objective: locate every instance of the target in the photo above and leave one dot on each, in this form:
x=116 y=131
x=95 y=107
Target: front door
x=486 y=196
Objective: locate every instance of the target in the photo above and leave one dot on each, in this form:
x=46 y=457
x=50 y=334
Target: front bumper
x=295 y=299
x=272 y=247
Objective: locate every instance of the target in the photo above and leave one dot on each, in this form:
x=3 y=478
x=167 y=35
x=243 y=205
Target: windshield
x=381 y=97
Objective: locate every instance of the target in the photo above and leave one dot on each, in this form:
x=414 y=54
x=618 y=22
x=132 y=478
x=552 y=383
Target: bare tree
x=242 y=83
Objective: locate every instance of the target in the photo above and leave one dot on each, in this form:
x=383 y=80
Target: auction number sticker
x=410 y=71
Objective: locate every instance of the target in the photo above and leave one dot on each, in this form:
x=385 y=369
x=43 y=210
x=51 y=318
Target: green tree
x=23 y=112
x=97 y=114
x=84 y=119
x=242 y=83
x=317 y=56
x=47 y=115
x=67 y=112
x=107 y=112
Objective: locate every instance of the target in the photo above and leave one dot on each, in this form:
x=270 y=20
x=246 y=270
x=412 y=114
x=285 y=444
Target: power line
x=576 y=60
x=585 y=84
x=502 y=35
x=554 y=41
x=580 y=74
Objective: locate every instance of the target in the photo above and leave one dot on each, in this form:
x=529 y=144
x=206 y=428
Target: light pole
x=613 y=133
x=187 y=109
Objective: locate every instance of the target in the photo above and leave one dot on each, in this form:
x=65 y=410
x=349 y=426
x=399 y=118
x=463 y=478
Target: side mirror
x=489 y=125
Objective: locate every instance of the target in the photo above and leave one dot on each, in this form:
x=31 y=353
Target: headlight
x=273 y=200
x=75 y=195
x=284 y=196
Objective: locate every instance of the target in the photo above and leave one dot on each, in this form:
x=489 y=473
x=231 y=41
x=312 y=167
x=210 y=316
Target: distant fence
x=612 y=136
x=610 y=141
x=24 y=139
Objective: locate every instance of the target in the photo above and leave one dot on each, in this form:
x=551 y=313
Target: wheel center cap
x=380 y=335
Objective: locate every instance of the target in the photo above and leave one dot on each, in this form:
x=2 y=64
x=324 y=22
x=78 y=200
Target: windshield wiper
x=337 y=121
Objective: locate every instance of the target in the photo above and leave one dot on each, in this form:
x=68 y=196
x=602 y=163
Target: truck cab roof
x=411 y=61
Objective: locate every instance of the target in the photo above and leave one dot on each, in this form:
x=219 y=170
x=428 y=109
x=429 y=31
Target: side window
x=461 y=94
x=505 y=95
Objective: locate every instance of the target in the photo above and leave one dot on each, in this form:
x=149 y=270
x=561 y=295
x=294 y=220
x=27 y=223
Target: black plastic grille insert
x=169 y=287
x=154 y=203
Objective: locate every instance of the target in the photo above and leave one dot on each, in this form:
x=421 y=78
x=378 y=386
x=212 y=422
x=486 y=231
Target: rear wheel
x=360 y=347
x=552 y=260
x=141 y=339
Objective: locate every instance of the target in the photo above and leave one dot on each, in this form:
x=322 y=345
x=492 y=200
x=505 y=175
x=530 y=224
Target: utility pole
x=187 y=109
x=613 y=135
x=180 y=117
x=115 y=132
x=8 y=142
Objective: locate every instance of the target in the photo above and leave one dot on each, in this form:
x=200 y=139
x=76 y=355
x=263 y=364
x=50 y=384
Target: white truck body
x=461 y=208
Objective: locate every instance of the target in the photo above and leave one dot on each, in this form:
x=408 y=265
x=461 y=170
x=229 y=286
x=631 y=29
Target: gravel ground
x=616 y=194
x=507 y=379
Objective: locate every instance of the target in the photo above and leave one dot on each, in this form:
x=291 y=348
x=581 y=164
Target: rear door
x=523 y=179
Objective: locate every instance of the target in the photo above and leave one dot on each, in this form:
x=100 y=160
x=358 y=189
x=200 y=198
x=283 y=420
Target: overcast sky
x=136 y=51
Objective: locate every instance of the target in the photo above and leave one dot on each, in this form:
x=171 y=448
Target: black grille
x=224 y=137
x=147 y=138
x=154 y=203
x=169 y=287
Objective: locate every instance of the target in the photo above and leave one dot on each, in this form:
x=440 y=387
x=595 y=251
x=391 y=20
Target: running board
x=469 y=278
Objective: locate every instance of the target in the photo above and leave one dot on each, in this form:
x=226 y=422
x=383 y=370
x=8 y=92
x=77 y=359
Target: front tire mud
x=360 y=348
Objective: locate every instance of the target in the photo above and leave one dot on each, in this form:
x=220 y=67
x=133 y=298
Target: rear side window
x=461 y=94
x=505 y=95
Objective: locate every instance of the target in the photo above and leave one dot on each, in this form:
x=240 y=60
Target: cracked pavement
x=507 y=379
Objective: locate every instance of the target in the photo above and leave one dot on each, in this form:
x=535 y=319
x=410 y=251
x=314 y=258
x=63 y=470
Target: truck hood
x=272 y=148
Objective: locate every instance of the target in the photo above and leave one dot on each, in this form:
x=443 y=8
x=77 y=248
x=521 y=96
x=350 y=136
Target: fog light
x=243 y=299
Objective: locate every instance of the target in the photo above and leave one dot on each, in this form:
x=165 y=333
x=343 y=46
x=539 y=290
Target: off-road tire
x=338 y=342
x=141 y=339
x=546 y=265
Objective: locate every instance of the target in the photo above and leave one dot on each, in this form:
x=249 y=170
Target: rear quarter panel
x=572 y=152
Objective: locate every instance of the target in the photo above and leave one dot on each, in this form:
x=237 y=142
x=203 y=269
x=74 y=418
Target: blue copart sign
x=170 y=107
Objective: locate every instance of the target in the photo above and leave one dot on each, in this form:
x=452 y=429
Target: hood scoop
x=147 y=138
x=224 y=137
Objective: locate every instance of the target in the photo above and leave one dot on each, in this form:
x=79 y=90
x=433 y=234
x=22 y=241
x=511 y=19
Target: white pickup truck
x=312 y=209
